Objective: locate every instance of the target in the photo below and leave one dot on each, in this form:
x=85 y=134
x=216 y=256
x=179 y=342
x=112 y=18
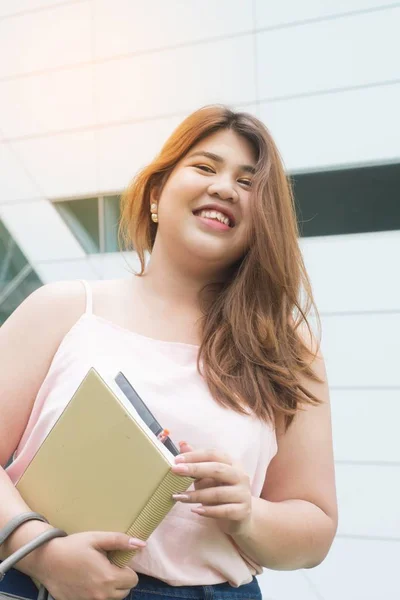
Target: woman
x=213 y=335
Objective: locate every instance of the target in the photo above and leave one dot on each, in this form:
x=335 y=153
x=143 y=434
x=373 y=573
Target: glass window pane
x=17 y=278
x=28 y=285
x=11 y=258
x=348 y=201
x=111 y=223
x=82 y=217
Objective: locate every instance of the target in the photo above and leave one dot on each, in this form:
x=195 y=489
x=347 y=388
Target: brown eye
x=204 y=167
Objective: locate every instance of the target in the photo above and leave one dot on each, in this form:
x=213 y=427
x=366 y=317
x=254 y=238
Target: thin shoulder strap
x=89 y=297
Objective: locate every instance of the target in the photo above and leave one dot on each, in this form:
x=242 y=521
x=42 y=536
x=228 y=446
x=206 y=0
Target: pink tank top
x=186 y=549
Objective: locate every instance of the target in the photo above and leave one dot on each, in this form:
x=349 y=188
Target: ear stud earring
x=153 y=210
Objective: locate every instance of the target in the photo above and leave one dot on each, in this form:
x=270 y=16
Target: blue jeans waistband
x=150 y=588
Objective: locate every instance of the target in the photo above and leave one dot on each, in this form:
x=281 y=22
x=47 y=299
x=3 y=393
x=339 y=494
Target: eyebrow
x=217 y=158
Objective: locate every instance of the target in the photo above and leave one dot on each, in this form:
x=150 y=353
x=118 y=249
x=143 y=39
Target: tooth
x=213 y=214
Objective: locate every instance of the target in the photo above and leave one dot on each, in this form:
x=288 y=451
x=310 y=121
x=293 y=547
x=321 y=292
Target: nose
x=224 y=190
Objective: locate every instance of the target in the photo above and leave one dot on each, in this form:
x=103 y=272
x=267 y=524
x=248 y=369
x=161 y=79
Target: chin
x=211 y=255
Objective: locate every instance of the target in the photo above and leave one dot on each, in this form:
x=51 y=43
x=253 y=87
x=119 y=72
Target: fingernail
x=183 y=443
x=181 y=468
x=180 y=496
x=136 y=542
x=180 y=458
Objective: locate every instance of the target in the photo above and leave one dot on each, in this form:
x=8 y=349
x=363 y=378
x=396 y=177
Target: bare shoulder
x=104 y=288
x=29 y=340
x=309 y=336
x=112 y=298
x=55 y=304
x=58 y=305
x=36 y=328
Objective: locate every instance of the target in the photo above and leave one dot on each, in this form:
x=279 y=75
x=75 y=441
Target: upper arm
x=28 y=341
x=303 y=467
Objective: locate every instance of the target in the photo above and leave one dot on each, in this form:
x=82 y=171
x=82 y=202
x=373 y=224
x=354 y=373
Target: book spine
x=152 y=514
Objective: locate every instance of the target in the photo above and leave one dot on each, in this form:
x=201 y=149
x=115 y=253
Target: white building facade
x=89 y=91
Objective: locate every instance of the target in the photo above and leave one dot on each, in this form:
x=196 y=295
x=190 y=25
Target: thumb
x=109 y=540
x=185 y=447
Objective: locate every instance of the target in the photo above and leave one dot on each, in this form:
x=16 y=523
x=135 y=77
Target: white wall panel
x=329 y=54
x=250 y=107
x=39 y=231
x=362 y=350
x=13 y=7
x=63 y=165
x=63 y=270
x=369 y=499
x=286 y=585
x=46 y=39
x=176 y=80
x=269 y=14
x=15 y=182
x=123 y=26
x=351 y=127
x=358 y=570
x=52 y=101
x=122 y=150
x=354 y=272
x=365 y=425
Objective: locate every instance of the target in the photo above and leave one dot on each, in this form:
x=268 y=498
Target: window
x=348 y=201
x=17 y=278
x=93 y=221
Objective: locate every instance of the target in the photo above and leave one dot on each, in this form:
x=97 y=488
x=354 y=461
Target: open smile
x=215 y=219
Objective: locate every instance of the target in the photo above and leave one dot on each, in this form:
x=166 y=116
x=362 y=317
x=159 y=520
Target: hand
x=76 y=567
x=222 y=487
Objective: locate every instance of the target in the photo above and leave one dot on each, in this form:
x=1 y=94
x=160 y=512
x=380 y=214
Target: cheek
x=185 y=187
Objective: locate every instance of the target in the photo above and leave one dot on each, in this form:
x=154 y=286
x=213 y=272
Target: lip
x=225 y=211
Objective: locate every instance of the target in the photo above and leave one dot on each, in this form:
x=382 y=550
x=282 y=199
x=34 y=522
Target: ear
x=157 y=189
x=153 y=197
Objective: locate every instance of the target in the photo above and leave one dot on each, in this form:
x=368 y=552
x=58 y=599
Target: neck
x=176 y=282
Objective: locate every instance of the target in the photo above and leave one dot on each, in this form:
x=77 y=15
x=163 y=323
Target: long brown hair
x=251 y=348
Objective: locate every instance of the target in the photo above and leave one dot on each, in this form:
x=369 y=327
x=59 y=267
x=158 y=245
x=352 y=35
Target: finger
x=219 y=471
x=108 y=541
x=232 y=512
x=205 y=455
x=120 y=594
x=207 y=482
x=214 y=496
x=125 y=577
x=185 y=447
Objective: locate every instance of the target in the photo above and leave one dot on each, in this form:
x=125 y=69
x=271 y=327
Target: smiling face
x=204 y=205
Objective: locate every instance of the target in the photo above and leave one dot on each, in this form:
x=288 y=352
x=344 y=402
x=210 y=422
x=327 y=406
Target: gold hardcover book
x=101 y=468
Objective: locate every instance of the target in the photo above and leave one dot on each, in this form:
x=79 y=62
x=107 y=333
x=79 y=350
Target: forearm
x=11 y=505
x=293 y=534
